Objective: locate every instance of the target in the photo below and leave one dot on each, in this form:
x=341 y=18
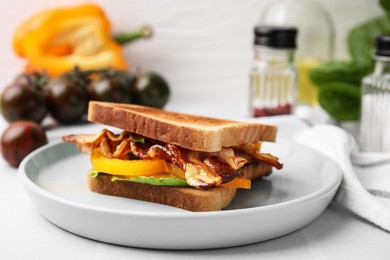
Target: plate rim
x=27 y=181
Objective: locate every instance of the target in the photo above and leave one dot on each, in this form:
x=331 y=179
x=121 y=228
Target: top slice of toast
x=188 y=131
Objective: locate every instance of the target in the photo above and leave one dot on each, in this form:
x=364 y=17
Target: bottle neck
x=382 y=65
x=273 y=56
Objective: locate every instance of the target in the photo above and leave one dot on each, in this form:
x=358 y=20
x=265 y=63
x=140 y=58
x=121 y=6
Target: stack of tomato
x=33 y=96
x=27 y=101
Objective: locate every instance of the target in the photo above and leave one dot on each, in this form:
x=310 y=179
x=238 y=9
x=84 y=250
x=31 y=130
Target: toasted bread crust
x=188 y=131
x=181 y=197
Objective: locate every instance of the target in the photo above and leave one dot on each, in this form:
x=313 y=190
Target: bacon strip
x=252 y=149
x=202 y=170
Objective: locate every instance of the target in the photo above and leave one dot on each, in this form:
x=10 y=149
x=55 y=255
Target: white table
x=25 y=234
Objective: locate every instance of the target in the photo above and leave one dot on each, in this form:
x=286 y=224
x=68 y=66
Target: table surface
x=25 y=234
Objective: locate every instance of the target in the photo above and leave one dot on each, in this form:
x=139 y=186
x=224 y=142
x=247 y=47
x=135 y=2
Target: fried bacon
x=252 y=149
x=203 y=170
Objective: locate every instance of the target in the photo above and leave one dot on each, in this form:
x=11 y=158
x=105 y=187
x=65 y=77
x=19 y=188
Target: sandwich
x=186 y=161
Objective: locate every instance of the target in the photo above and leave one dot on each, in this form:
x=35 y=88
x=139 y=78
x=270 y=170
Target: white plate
x=55 y=179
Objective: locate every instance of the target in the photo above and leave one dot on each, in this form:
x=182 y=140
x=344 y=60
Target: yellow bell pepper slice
x=238 y=183
x=130 y=168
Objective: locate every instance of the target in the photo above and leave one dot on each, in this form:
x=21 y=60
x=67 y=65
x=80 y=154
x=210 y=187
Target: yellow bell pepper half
x=57 y=40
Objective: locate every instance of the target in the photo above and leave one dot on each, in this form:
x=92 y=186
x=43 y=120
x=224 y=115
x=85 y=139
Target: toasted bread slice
x=188 y=131
x=180 y=197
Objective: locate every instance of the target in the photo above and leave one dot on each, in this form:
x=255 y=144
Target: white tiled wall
x=202 y=47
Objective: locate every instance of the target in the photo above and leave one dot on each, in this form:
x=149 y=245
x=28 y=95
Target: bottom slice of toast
x=181 y=197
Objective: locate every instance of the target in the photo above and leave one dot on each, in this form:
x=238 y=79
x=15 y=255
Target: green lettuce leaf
x=177 y=182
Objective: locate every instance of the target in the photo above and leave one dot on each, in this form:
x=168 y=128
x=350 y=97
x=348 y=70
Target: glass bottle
x=315 y=39
x=273 y=76
x=375 y=103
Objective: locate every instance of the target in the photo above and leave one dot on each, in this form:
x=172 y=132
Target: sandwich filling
x=110 y=153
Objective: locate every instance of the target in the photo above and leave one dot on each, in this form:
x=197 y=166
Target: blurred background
x=197 y=44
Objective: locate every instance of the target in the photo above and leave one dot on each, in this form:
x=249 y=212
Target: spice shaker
x=375 y=102
x=315 y=40
x=273 y=84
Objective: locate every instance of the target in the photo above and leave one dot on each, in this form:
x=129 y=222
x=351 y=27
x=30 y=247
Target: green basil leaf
x=339 y=71
x=385 y=4
x=341 y=100
x=361 y=39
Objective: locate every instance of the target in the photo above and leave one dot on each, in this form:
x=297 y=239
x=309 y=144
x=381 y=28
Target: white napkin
x=352 y=194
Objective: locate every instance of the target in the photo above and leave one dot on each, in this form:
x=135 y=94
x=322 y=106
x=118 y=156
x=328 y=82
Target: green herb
x=361 y=39
x=385 y=4
x=139 y=140
x=339 y=82
x=341 y=100
x=340 y=71
x=94 y=174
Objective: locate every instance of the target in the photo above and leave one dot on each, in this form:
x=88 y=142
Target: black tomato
x=152 y=90
x=36 y=79
x=113 y=87
x=23 y=79
x=67 y=101
x=19 y=139
x=21 y=101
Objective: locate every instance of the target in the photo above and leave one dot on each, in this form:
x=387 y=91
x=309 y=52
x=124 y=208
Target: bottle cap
x=383 y=45
x=279 y=37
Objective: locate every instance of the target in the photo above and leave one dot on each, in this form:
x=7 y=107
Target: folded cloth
x=367 y=159
x=352 y=194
